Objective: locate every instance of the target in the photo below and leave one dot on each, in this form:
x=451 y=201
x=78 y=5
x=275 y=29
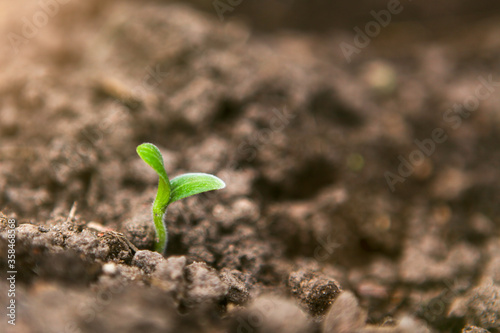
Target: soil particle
x=28 y=233
x=270 y=314
x=240 y=211
x=404 y=325
x=3 y=222
x=140 y=231
x=474 y=329
x=491 y=273
x=315 y=292
x=204 y=285
x=345 y=315
x=188 y=285
x=409 y=324
x=421 y=262
x=169 y=277
x=123 y=276
x=483 y=307
x=147 y=260
x=199 y=252
x=243 y=251
x=36 y=260
x=109 y=269
x=374 y=285
x=120 y=248
x=239 y=285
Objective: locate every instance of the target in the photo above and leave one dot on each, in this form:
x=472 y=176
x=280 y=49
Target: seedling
x=169 y=191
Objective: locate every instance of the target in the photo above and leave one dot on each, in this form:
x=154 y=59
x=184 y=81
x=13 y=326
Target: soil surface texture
x=362 y=196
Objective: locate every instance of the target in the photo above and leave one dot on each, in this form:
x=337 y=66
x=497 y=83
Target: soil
x=359 y=198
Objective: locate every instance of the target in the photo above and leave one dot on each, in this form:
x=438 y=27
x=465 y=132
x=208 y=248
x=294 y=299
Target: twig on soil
x=72 y=212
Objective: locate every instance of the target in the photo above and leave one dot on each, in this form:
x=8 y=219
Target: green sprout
x=169 y=191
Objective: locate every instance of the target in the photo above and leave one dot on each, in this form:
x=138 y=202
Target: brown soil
x=308 y=235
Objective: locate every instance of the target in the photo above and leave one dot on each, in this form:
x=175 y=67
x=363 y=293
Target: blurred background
x=309 y=110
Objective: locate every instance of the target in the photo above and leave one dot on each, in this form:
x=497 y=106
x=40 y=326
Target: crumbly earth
x=334 y=218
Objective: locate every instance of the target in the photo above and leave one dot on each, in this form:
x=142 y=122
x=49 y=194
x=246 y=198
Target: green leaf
x=170 y=191
x=152 y=156
x=190 y=184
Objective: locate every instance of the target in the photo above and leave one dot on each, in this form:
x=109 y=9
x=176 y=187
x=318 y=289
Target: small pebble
x=109 y=268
